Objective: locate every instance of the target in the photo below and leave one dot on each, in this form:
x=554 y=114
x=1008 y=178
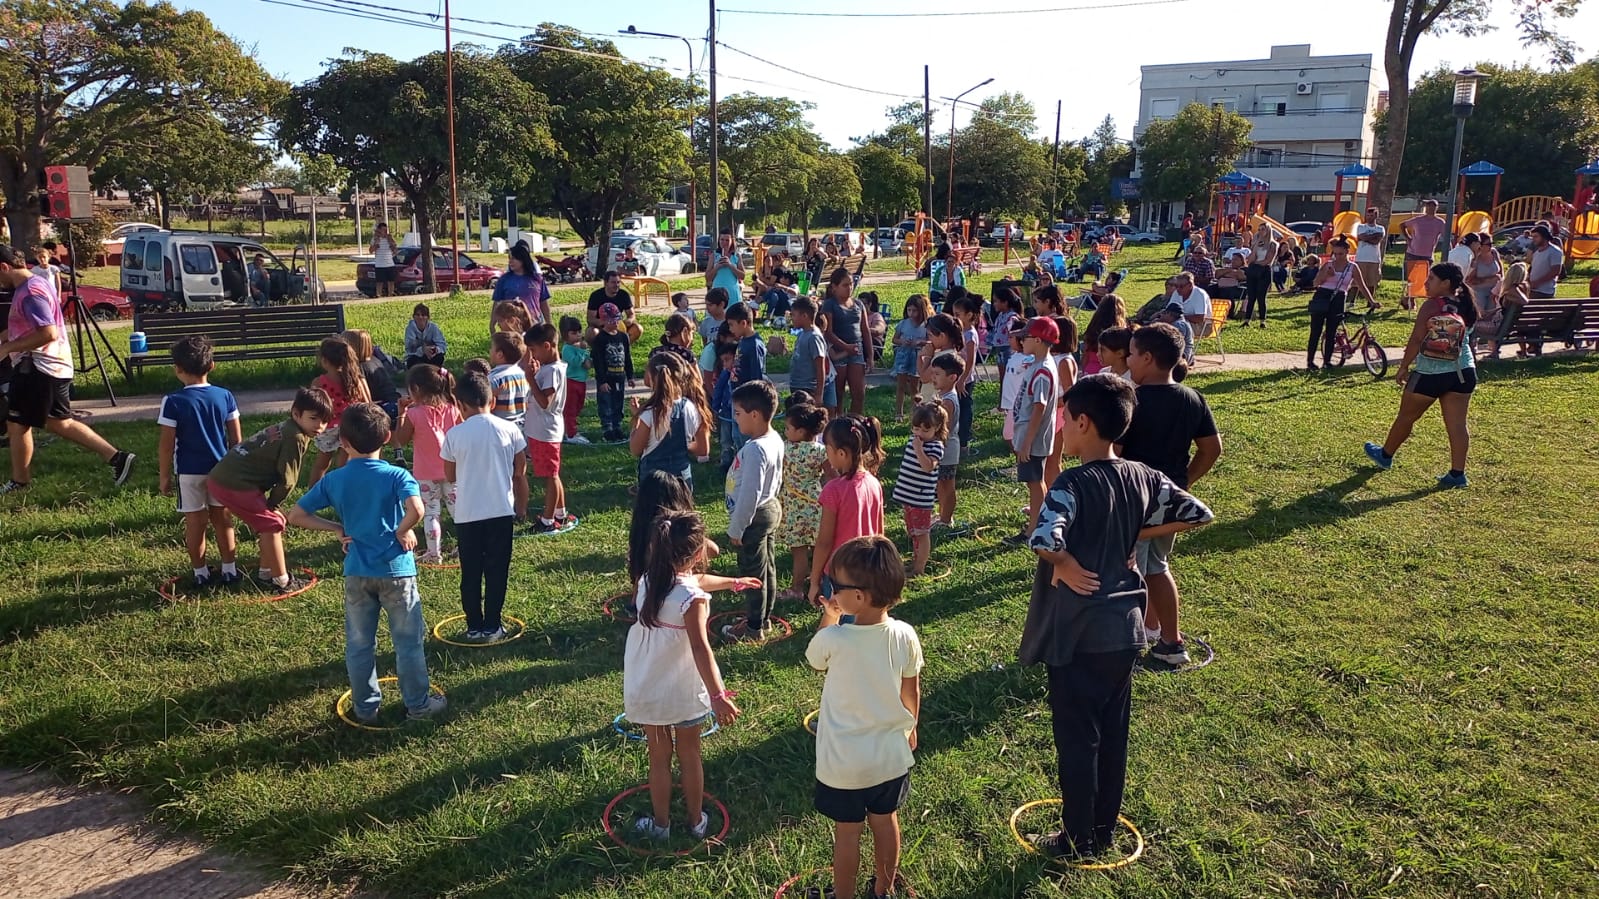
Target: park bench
x=246 y=333
x=1560 y=318
x=855 y=265
x=966 y=258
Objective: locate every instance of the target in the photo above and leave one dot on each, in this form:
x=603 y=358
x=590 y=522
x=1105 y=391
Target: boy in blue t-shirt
x=199 y=424
x=378 y=506
x=751 y=365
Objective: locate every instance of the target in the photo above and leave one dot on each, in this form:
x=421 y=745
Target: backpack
x=1445 y=334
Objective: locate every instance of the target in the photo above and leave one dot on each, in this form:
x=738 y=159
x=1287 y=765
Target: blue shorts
x=905 y=361
x=827 y=396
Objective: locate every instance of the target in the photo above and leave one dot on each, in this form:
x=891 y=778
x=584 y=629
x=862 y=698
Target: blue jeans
x=364 y=597
x=612 y=396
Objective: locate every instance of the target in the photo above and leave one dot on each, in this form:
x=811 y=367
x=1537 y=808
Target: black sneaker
x=13 y=487
x=1057 y=846
x=204 y=582
x=820 y=893
x=122 y=466
x=1015 y=540
x=231 y=580
x=295 y=584
x=1171 y=653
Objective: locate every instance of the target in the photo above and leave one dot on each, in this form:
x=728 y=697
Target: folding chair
x=1214 y=325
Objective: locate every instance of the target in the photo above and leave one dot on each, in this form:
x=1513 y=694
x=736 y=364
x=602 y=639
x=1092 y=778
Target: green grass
x=1402 y=704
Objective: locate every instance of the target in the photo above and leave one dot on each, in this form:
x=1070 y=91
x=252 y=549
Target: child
x=909 y=337
x=578 y=365
x=199 y=424
x=658 y=492
x=511 y=317
x=1006 y=305
x=613 y=370
x=804 y=461
x=810 y=368
x=678 y=336
x=871 y=701
x=852 y=503
x=1035 y=417
x=969 y=313
x=672 y=427
x=424 y=342
x=478 y=366
x=495 y=453
x=377 y=374
x=916 y=487
x=727 y=435
x=507 y=378
x=1066 y=376
x=1083 y=620
x=378 y=505
x=753 y=507
x=253 y=477
x=946 y=371
x=1015 y=365
x=543 y=426
x=342 y=381
x=943 y=336
x=715 y=314
x=1114 y=346
x=428 y=415
x=681 y=307
x=751 y=363
x=670 y=680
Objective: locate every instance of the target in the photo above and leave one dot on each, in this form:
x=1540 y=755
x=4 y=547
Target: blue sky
x=1089 y=58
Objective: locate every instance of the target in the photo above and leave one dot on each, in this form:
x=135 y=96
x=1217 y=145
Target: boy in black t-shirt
x=1168 y=419
x=1085 y=618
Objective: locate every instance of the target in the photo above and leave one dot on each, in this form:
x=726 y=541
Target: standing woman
x=1445 y=371
x=815 y=260
x=1333 y=284
x=1484 y=274
x=524 y=283
x=842 y=321
x=726 y=269
x=384 y=269
x=1257 y=275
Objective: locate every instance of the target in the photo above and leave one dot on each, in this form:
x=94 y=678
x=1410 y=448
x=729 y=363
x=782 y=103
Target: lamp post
x=1465 y=101
x=693 y=204
x=949 y=198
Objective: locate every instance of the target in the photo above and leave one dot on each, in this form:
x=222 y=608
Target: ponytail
x=676 y=538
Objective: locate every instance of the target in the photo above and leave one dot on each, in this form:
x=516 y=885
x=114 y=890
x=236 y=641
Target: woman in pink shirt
x=852 y=503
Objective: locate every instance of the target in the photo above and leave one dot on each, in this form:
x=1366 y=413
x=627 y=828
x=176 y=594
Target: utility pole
x=449 y=135
x=927 y=134
x=716 y=177
x=1054 y=169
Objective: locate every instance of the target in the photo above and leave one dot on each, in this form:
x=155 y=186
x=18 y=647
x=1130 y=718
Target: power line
x=986 y=11
x=778 y=65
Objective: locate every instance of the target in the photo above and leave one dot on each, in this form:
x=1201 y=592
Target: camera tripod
x=86 y=330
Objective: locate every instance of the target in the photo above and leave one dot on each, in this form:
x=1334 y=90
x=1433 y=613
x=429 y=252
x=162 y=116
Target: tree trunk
x=22 y=224
x=1391 y=148
x=21 y=206
x=424 y=224
x=166 y=208
x=877 y=252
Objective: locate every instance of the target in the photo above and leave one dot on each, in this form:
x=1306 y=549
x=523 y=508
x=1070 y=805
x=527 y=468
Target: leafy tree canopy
x=1184 y=155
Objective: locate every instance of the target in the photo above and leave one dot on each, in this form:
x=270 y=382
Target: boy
x=1034 y=413
x=810 y=369
x=871 y=700
x=916 y=487
x=253 y=477
x=751 y=364
x=1169 y=417
x=1173 y=315
x=507 y=377
x=544 y=425
x=378 y=506
x=715 y=314
x=424 y=342
x=495 y=453
x=199 y=424
x=752 y=505
x=946 y=369
x=727 y=434
x=1084 y=620
x=613 y=370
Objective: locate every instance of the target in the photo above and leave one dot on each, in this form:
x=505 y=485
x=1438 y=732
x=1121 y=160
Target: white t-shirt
x=1198 y=302
x=660 y=684
x=691 y=425
x=863 y=731
x=1368 y=252
x=545 y=424
x=1544 y=268
x=1461 y=255
x=484 y=449
x=1011 y=384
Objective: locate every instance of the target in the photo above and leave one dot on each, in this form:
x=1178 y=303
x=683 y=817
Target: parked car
x=791 y=244
x=1308 y=230
x=111 y=247
x=654 y=256
x=890 y=241
x=996 y=236
x=103 y=303
x=848 y=242
x=176 y=270
x=470 y=274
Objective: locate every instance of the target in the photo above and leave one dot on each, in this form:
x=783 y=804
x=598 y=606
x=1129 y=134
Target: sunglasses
x=840 y=585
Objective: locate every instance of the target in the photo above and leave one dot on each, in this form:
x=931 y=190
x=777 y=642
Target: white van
x=178 y=270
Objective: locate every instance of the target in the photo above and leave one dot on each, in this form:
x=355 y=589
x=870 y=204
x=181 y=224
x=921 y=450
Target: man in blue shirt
x=378 y=505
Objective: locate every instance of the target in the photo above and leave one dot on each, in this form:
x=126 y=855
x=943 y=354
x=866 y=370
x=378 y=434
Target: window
x=1277 y=105
x=1228 y=103
x=1334 y=102
x=197 y=259
x=1162 y=108
x=153 y=256
x=1268 y=157
x=133 y=254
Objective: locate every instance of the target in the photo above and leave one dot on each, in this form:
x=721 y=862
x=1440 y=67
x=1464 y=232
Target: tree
x=87 y=81
x=1014 y=111
x=375 y=115
x=1184 y=155
x=617 y=127
x=904 y=132
x=889 y=182
x=1408 y=20
x=826 y=181
x=1106 y=158
x=1540 y=126
x=1070 y=177
x=202 y=158
x=998 y=169
x=766 y=145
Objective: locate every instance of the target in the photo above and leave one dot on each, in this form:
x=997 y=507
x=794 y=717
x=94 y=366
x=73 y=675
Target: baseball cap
x=1043 y=328
x=1174 y=307
x=610 y=313
x=1543 y=230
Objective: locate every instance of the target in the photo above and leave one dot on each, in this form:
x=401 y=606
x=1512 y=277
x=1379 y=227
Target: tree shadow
x=1269 y=522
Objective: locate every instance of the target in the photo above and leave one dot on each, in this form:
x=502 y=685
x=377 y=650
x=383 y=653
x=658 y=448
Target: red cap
x=1043 y=327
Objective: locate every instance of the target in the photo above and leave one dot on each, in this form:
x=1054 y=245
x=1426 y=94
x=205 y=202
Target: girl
x=575 y=353
x=1114 y=345
x=429 y=414
x=942 y=274
x=852 y=503
x=670 y=680
x=968 y=311
x=681 y=307
x=1047 y=300
x=1110 y=313
x=843 y=327
x=815 y=259
x=678 y=339
x=671 y=428
x=1445 y=372
x=377 y=374
x=524 y=285
x=1015 y=370
x=1513 y=298
x=909 y=336
x=943 y=336
x=658 y=493
x=1066 y=368
x=1006 y=305
x=342 y=380
x=804 y=462
x=510 y=316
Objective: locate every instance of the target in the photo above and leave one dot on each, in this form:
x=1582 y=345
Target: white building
x=1312 y=115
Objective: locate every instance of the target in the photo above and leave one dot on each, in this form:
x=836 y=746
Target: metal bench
x=1566 y=319
x=246 y=333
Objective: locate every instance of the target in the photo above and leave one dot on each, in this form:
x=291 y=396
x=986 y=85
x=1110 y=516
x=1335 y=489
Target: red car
x=103 y=303
x=471 y=275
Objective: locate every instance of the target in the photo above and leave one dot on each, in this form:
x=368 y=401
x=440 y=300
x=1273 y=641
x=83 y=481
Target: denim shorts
x=1153 y=555
x=905 y=361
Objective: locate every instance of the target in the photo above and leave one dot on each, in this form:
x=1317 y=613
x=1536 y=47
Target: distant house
x=284 y=203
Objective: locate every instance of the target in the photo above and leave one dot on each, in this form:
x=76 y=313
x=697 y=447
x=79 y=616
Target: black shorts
x=1435 y=386
x=35 y=397
x=386 y=275
x=1031 y=470
x=852 y=806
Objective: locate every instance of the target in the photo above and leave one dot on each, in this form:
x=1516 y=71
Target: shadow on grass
x=1269 y=522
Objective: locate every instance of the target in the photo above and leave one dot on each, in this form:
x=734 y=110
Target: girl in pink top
x=425 y=417
x=852 y=503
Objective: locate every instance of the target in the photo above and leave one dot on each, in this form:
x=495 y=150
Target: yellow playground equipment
x=645 y=287
x=1278 y=229
x=1584 y=236
x=1344 y=223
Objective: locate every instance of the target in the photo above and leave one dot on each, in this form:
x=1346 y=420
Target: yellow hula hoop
x=928 y=578
x=809 y=722
x=1138 y=848
x=345 y=706
x=521 y=628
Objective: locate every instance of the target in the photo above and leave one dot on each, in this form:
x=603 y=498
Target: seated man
x=1093 y=263
x=1199 y=264
x=1305 y=275
x=779 y=296
x=1051 y=258
x=260 y=282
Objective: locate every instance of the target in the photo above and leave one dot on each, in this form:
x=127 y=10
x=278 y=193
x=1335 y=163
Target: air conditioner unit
x=1349 y=144
x=1305 y=88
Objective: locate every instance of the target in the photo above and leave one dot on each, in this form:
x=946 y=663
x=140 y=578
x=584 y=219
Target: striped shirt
x=510 y=393
x=915 y=486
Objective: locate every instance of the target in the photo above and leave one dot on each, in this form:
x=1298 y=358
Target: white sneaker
x=430 y=559
x=646 y=827
x=702 y=828
x=578 y=439
x=1152 y=635
x=494 y=636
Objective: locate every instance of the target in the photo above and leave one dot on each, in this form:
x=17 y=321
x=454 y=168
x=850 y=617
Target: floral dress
x=802 y=489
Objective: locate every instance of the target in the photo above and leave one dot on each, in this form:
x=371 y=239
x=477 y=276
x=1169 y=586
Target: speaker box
x=66 y=178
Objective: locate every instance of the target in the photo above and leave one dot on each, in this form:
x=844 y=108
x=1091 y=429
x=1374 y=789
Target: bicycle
x=1371 y=352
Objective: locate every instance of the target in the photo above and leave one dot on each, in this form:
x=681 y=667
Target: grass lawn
x=1401 y=704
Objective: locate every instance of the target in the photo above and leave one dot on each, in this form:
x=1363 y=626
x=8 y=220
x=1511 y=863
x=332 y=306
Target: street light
x=949 y=199
x=1465 y=101
x=692 y=201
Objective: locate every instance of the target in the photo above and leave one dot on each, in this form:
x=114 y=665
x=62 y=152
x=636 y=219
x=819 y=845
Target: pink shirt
x=429 y=424
x=34 y=306
x=857 y=506
x=1091 y=363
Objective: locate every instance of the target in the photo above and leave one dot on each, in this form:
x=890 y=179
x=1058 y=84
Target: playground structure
x=1355 y=174
x=1236 y=199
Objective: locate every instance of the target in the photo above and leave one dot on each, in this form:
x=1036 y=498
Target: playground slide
x=1344 y=223
x=1278 y=229
x=1477 y=221
x=1584 y=237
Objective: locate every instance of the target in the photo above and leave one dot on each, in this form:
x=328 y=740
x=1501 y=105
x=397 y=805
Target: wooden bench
x=1560 y=318
x=855 y=265
x=246 y=333
x=966 y=258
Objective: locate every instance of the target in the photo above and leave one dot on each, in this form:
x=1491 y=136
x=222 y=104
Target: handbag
x=1322 y=300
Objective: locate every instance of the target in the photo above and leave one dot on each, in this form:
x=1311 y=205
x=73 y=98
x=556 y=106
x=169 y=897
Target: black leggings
x=485 y=549
x=1324 y=330
x=1257 y=280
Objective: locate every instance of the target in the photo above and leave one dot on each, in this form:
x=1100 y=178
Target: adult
x=944 y=273
x=235 y=283
x=1257 y=275
x=260 y=281
x=1369 y=237
x=1194 y=300
x=524 y=283
x=612 y=293
x=1464 y=250
x=1287 y=258
x=1051 y=257
x=1093 y=263
x=726 y=269
x=1543 y=263
x=1333 y=285
x=843 y=321
x=385 y=267
x=1484 y=274
x=1422 y=234
x=41 y=381
x=815 y=260
x=1445 y=372
x=1199 y=264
